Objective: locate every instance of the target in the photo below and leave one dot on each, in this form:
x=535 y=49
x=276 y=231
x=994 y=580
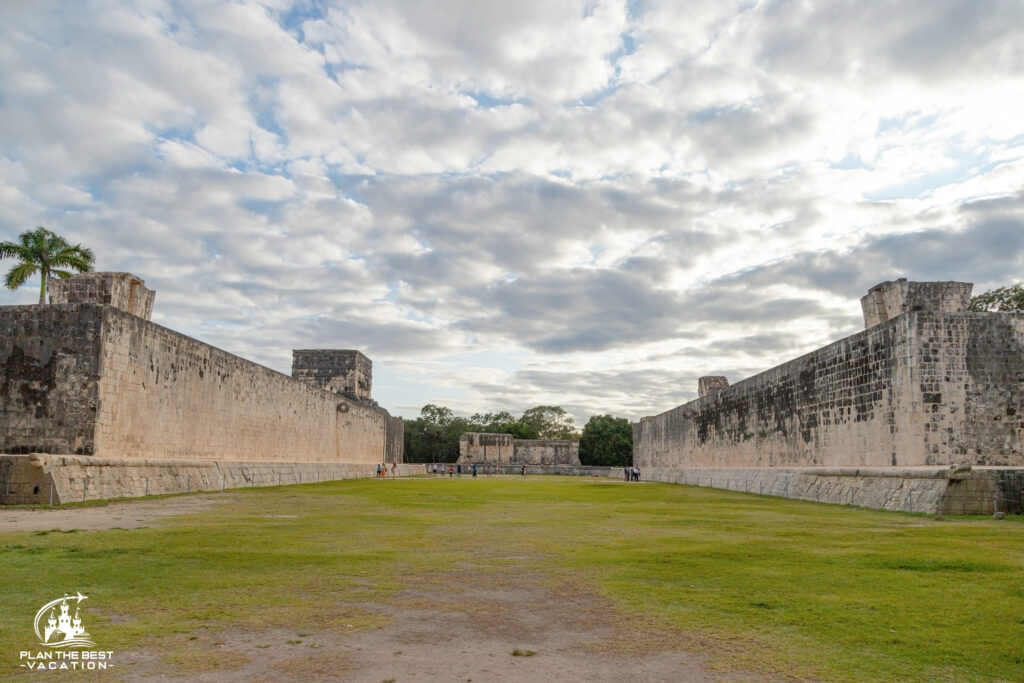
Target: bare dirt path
x=127 y=514
x=486 y=633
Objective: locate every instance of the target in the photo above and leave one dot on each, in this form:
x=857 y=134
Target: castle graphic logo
x=63 y=639
x=62 y=631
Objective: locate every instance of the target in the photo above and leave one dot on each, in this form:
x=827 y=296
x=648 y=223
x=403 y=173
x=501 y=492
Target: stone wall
x=92 y=379
x=489 y=448
x=924 y=388
x=503 y=449
x=546 y=452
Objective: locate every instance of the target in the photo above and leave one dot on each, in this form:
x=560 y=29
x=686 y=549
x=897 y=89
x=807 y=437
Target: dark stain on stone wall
x=794 y=414
x=994 y=385
x=49 y=357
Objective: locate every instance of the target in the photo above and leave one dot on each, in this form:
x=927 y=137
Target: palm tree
x=41 y=251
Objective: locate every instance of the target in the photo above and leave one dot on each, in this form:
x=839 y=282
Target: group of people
x=453 y=470
x=382 y=470
x=631 y=473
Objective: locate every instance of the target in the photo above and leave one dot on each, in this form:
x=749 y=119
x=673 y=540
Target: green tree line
x=1009 y=298
x=434 y=435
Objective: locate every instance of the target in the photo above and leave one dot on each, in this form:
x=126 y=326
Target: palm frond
x=73 y=257
x=10 y=250
x=17 y=275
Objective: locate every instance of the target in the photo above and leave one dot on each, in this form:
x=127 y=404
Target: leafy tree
x=999 y=299
x=607 y=441
x=428 y=438
x=434 y=435
x=549 y=422
x=41 y=251
x=438 y=415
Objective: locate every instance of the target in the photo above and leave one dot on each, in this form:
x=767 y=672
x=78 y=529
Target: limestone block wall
x=49 y=367
x=546 y=452
x=95 y=380
x=503 y=449
x=165 y=395
x=844 y=404
x=923 y=388
x=490 y=448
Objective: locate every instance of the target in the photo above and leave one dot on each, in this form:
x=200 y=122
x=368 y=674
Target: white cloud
x=609 y=198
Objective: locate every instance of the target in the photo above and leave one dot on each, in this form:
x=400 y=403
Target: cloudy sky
x=583 y=203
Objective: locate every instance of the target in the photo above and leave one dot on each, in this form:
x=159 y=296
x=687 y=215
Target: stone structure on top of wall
x=889 y=299
x=926 y=384
x=120 y=290
x=710 y=384
x=340 y=371
x=91 y=377
x=502 y=449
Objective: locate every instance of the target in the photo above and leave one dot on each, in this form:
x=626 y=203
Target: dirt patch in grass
x=459 y=629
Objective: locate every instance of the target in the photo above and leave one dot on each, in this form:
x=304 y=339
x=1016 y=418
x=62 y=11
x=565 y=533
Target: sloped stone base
x=929 y=490
x=53 y=479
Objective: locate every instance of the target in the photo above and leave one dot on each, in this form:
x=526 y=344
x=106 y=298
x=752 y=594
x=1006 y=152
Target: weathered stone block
x=711 y=384
x=341 y=371
x=121 y=290
x=889 y=299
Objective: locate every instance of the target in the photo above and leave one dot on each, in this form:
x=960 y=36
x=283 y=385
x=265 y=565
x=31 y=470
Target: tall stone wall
x=92 y=379
x=923 y=388
x=165 y=395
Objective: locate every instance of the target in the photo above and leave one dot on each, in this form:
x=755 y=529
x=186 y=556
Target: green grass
x=793 y=588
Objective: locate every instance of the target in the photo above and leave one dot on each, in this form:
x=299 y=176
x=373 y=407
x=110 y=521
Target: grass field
x=790 y=588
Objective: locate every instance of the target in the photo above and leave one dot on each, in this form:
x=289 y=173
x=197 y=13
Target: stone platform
x=44 y=479
x=928 y=490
